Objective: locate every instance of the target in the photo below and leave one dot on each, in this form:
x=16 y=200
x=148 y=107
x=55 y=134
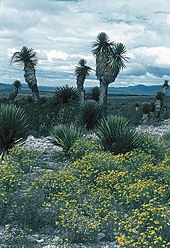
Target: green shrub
x=10 y=182
x=154 y=146
x=95 y=93
x=90 y=114
x=145 y=227
x=112 y=194
x=13 y=124
x=23 y=159
x=117 y=135
x=166 y=136
x=27 y=209
x=146 y=107
x=64 y=136
x=17 y=237
x=84 y=146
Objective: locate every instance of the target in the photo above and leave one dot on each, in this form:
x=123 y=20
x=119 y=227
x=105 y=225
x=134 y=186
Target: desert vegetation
x=106 y=182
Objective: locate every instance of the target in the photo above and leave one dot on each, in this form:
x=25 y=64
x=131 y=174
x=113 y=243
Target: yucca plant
x=13 y=125
x=82 y=72
x=65 y=95
x=110 y=60
x=27 y=59
x=89 y=115
x=117 y=135
x=64 y=136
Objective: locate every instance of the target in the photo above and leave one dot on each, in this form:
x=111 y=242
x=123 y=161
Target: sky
x=62 y=32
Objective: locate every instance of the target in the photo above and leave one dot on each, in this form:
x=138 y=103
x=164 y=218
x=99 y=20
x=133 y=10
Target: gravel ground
x=45 y=145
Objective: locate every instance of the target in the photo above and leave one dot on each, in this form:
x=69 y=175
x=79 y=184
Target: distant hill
x=25 y=87
x=5 y=86
x=130 y=90
x=135 y=90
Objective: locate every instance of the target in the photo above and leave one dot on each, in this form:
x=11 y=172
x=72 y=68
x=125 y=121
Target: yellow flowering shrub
x=124 y=196
x=9 y=183
x=147 y=226
x=84 y=146
x=23 y=158
x=100 y=192
x=154 y=146
x=9 y=178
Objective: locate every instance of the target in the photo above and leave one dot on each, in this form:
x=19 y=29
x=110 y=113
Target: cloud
x=64 y=0
x=61 y=32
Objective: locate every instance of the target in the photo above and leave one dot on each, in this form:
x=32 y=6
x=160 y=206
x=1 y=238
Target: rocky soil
x=45 y=145
x=157 y=131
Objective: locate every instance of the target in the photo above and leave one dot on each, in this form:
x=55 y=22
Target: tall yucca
x=27 y=59
x=13 y=125
x=82 y=72
x=110 y=60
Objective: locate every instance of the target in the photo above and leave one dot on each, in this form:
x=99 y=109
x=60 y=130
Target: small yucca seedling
x=117 y=135
x=13 y=125
x=64 y=136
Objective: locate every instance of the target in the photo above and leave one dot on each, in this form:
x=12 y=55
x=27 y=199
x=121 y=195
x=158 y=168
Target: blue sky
x=62 y=32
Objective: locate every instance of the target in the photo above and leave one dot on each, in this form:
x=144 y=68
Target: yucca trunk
x=103 y=97
x=159 y=102
x=80 y=89
x=105 y=77
x=31 y=80
x=164 y=89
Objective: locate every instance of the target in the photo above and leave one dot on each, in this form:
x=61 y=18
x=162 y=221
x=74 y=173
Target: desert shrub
x=68 y=114
x=17 y=237
x=41 y=116
x=154 y=146
x=21 y=205
x=95 y=91
x=112 y=194
x=13 y=124
x=117 y=135
x=89 y=115
x=166 y=138
x=159 y=173
x=64 y=136
x=131 y=161
x=84 y=146
x=147 y=107
x=79 y=227
x=10 y=182
x=27 y=209
x=23 y=159
x=145 y=227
